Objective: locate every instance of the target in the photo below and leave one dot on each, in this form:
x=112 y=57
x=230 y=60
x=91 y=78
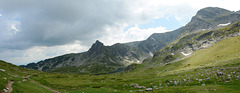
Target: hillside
x=210 y=18
x=105 y=59
x=186 y=45
x=201 y=57
x=98 y=59
x=214 y=69
x=17 y=80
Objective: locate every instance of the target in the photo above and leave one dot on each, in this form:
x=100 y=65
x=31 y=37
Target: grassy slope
x=219 y=54
x=203 y=64
x=16 y=73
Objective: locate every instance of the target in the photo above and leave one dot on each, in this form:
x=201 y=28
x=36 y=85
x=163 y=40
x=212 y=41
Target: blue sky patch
x=170 y=22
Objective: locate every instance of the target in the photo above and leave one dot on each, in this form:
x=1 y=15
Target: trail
x=35 y=82
x=8 y=87
x=48 y=88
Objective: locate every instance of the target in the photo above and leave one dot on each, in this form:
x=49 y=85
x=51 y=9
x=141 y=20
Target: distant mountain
x=210 y=18
x=104 y=59
x=98 y=59
x=186 y=45
x=158 y=40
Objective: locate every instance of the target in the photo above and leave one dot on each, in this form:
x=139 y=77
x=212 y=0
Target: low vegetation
x=215 y=69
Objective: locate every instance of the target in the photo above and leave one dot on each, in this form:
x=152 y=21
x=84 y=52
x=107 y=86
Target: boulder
x=149 y=89
x=220 y=73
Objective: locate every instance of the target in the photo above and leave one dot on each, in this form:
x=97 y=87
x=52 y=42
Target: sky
x=34 y=30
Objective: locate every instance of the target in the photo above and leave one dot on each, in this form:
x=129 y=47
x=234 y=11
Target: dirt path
x=48 y=88
x=8 y=87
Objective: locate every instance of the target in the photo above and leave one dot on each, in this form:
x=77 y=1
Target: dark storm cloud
x=58 y=22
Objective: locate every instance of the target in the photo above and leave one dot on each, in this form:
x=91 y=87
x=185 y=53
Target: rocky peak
x=212 y=12
x=98 y=43
x=209 y=18
x=97 y=47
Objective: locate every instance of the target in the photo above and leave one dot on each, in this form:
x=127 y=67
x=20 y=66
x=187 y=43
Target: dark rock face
x=97 y=48
x=158 y=40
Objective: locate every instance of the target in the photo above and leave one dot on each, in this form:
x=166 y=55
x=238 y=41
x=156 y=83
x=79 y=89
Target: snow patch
x=2 y=70
x=151 y=54
x=224 y=24
x=186 y=54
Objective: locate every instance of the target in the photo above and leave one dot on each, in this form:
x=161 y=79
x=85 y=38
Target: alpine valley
x=201 y=57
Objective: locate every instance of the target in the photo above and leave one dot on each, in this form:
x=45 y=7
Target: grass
x=16 y=73
x=217 y=55
x=196 y=74
x=28 y=87
x=198 y=77
x=202 y=66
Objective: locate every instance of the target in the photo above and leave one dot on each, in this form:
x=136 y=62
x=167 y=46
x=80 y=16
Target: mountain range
x=200 y=57
x=165 y=46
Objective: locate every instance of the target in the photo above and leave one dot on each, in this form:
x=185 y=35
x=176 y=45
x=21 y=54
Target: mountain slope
x=185 y=46
x=103 y=59
x=198 y=73
x=210 y=18
x=15 y=75
x=98 y=59
x=158 y=40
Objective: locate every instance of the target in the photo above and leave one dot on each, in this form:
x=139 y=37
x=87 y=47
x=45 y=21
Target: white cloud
x=13 y=27
x=118 y=35
x=48 y=29
x=38 y=53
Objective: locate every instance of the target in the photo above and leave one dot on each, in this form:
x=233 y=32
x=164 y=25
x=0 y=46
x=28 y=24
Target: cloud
x=37 y=53
x=28 y=25
x=117 y=34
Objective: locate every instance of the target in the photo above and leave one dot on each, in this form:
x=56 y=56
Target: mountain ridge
x=122 y=55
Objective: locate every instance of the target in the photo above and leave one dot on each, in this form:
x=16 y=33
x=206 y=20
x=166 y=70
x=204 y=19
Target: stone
x=5 y=90
x=2 y=70
x=220 y=73
x=149 y=89
x=207 y=79
x=175 y=83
